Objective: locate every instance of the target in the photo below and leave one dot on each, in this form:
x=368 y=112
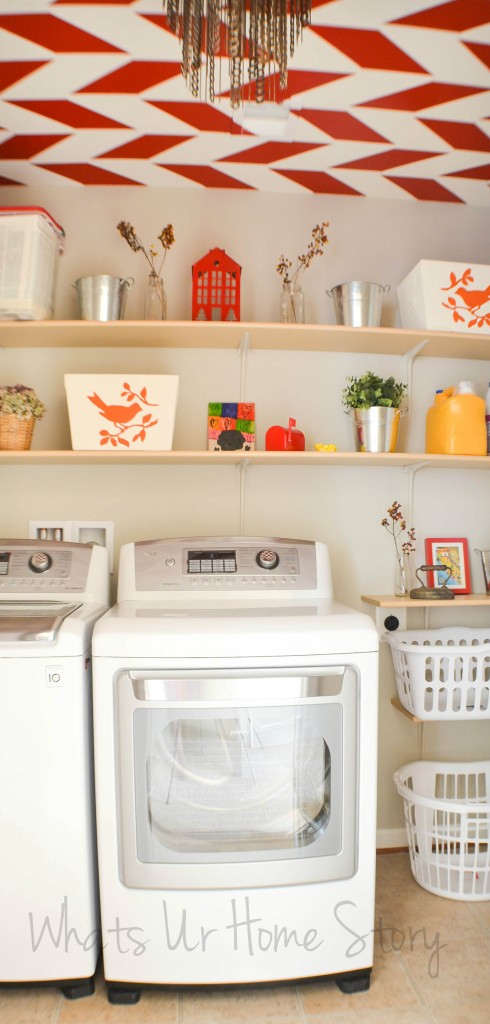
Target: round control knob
x=40 y=561
x=267 y=559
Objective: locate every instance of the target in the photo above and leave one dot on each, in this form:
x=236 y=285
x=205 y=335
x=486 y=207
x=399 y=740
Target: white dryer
x=235 y=716
x=51 y=594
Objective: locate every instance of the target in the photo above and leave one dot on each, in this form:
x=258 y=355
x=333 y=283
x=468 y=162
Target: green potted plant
x=19 y=409
x=375 y=406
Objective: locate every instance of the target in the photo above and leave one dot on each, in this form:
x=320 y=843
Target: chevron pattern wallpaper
x=385 y=98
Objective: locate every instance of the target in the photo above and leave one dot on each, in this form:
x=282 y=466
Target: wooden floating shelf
x=256 y=458
x=458 y=601
x=211 y=334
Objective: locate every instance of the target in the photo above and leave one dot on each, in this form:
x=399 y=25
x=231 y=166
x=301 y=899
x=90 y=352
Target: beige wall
x=370 y=240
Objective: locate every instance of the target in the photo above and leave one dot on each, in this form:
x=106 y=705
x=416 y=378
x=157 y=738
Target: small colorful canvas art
x=231 y=426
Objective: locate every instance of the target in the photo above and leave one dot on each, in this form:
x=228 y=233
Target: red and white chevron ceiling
x=387 y=98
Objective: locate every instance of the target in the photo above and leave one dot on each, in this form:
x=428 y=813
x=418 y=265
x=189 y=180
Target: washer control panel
x=35 y=567
x=224 y=564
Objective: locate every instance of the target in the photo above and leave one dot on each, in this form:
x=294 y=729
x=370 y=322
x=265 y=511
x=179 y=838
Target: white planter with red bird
x=442 y=296
x=122 y=412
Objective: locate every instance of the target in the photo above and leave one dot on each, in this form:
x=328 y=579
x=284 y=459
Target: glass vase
x=292 y=305
x=403 y=576
x=155 y=299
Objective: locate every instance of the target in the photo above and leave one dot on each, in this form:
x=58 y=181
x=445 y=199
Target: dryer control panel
x=231 y=565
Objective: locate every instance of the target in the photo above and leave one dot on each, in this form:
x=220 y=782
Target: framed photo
x=449 y=553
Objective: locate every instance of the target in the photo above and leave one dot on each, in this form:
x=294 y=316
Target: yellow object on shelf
x=455 y=424
x=325 y=447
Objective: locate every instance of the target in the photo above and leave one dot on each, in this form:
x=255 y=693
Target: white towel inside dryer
x=256 y=774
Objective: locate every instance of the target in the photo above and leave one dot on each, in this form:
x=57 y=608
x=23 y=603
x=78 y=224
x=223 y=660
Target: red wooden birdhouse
x=216 y=287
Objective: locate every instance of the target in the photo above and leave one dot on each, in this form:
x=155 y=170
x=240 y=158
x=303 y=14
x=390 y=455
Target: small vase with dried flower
x=292 y=306
x=396 y=525
x=155 y=296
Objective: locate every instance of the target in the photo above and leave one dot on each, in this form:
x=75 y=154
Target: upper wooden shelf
x=203 y=334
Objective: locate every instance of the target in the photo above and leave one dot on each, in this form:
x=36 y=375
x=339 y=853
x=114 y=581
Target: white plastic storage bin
x=30 y=245
x=443 y=674
x=441 y=296
x=447 y=817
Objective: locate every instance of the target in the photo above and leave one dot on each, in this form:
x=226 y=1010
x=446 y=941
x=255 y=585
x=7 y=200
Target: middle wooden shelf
x=256 y=458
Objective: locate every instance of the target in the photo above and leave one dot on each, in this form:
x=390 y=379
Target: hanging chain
x=274 y=27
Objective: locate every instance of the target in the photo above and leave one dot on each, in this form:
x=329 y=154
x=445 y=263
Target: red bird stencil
x=474 y=299
x=125 y=417
x=117 y=414
x=467 y=304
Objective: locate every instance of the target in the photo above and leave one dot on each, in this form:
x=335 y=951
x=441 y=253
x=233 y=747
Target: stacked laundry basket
x=444 y=675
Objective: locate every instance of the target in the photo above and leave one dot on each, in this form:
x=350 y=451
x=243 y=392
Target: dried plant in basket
x=19 y=409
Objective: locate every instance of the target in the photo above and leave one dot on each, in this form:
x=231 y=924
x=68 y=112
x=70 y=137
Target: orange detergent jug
x=455 y=424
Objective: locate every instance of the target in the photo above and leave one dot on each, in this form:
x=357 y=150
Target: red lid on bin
x=4 y=210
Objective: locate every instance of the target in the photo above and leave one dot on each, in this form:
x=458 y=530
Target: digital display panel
x=4 y=562
x=211 y=562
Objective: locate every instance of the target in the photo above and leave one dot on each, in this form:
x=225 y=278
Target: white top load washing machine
x=235 y=717
x=51 y=593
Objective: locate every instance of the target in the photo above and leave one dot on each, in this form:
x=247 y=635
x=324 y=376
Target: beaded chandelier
x=256 y=33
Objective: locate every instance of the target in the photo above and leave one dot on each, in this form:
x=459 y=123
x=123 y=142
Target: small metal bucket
x=376 y=429
x=102 y=297
x=358 y=303
x=485 y=558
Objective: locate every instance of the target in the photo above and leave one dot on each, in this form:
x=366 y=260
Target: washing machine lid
x=26 y=621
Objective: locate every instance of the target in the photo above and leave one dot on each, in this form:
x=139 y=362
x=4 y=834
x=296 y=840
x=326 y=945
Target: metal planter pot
x=358 y=303
x=102 y=297
x=376 y=429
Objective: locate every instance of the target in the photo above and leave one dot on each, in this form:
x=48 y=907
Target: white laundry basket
x=443 y=674
x=447 y=817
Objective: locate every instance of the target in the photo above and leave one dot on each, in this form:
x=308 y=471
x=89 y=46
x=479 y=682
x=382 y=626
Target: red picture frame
x=453 y=553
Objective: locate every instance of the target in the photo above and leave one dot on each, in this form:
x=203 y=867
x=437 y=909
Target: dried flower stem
x=166 y=237
x=315 y=248
x=396 y=525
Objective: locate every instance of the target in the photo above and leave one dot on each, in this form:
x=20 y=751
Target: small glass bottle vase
x=403 y=576
x=155 y=299
x=292 y=305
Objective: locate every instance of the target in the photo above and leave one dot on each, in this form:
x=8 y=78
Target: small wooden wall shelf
x=458 y=601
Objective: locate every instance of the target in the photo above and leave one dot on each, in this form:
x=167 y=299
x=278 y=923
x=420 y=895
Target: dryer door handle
x=232 y=689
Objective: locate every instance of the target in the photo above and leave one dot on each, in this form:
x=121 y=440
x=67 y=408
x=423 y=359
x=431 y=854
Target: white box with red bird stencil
x=121 y=412
x=443 y=296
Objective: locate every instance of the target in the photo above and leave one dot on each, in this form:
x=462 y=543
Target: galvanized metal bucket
x=102 y=297
x=358 y=303
x=485 y=558
x=376 y=429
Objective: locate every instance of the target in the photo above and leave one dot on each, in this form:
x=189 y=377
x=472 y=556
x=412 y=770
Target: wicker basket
x=15 y=432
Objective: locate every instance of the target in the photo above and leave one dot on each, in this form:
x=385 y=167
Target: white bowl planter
x=112 y=411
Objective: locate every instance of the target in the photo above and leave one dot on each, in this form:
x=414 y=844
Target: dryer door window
x=241 y=780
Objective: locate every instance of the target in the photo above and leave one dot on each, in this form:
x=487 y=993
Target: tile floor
x=431 y=967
